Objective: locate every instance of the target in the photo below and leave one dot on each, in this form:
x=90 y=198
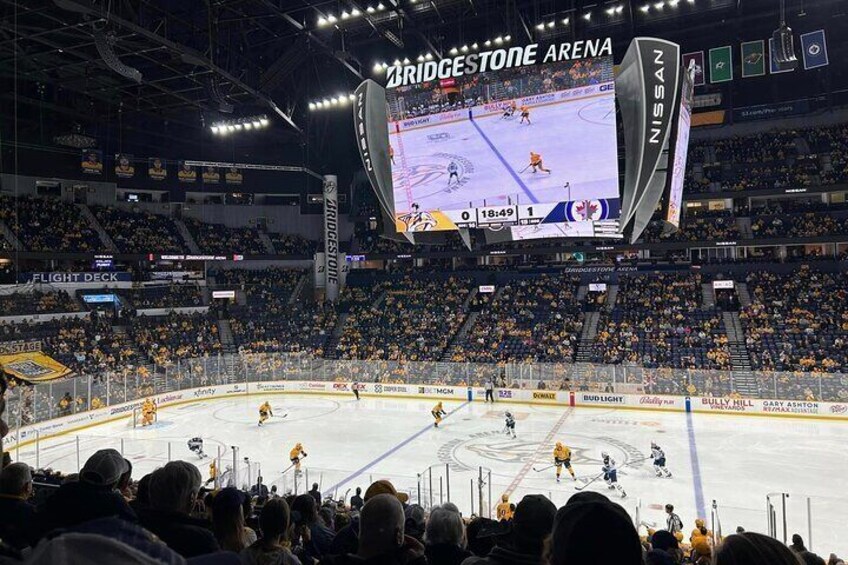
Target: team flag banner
x=186 y=172
x=124 y=168
x=815 y=50
x=211 y=175
x=753 y=58
x=33 y=367
x=233 y=176
x=698 y=57
x=92 y=161
x=156 y=168
x=721 y=64
x=774 y=66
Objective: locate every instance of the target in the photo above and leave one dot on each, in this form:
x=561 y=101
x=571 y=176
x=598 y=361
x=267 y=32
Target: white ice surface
x=740 y=459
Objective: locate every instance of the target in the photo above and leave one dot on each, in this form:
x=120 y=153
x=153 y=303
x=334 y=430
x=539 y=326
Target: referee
x=490 y=390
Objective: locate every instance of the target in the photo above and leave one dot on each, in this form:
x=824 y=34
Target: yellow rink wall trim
x=565 y=404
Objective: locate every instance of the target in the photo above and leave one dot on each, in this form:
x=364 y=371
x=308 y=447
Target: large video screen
x=532 y=149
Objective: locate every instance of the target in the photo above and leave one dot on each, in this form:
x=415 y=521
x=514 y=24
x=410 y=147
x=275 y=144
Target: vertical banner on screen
x=721 y=64
x=92 y=162
x=698 y=57
x=753 y=58
x=814 y=49
x=156 y=169
x=331 y=236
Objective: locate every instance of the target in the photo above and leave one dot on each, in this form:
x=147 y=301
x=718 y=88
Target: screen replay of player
x=530 y=148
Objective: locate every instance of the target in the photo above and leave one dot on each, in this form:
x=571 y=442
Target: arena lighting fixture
x=264 y=122
x=396 y=63
x=370 y=9
x=619 y=9
x=355 y=13
x=587 y=16
x=540 y=27
x=214 y=129
x=332 y=19
x=429 y=56
x=377 y=67
x=351 y=96
x=659 y=5
x=312 y=107
x=322 y=21
x=380 y=6
x=345 y=15
x=248 y=125
x=453 y=51
x=405 y=61
x=231 y=128
x=488 y=43
x=498 y=40
x=673 y=3
x=420 y=58
x=464 y=48
x=385 y=66
x=644 y=9
x=551 y=24
x=610 y=11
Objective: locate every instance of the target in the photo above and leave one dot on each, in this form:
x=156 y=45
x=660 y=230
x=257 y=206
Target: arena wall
x=27 y=435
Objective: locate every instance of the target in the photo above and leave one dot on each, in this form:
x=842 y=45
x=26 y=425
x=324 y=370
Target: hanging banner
x=33 y=367
x=156 y=169
x=775 y=67
x=233 y=176
x=331 y=236
x=814 y=49
x=698 y=58
x=92 y=161
x=186 y=173
x=753 y=58
x=211 y=175
x=721 y=64
x=124 y=168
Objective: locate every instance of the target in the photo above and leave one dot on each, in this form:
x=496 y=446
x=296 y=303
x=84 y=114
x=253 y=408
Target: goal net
x=138 y=418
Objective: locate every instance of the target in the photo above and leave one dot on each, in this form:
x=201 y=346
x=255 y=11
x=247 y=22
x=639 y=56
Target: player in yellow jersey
x=213 y=473
x=265 y=412
x=296 y=455
x=562 y=457
x=148 y=411
x=525 y=115
x=438 y=411
x=504 y=509
x=536 y=163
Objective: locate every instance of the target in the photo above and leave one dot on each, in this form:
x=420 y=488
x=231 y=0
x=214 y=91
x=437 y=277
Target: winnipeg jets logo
x=814 y=49
x=586 y=210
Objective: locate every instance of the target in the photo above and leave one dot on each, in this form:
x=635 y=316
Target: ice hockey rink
x=732 y=460
x=576 y=138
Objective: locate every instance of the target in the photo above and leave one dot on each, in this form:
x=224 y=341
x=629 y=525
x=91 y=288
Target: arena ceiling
x=202 y=61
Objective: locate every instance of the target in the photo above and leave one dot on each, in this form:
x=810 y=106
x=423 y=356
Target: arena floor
x=734 y=460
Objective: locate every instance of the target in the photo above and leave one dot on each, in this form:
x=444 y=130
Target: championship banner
x=698 y=57
x=92 y=161
x=33 y=367
x=721 y=64
x=775 y=67
x=211 y=175
x=331 y=236
x=753 y=58
x=124 y=168
x=814 y=49
x=233 y=176
x=156 y=168
x=186 y=173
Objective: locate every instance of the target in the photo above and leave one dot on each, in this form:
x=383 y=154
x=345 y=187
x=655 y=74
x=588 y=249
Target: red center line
x=542 y=447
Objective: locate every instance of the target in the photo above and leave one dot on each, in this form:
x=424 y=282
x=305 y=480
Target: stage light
x=540 y=27
x=345 y=15
x=322 y=21
x=370 y=9
x=429 y=56
x=385 y=66
x=214 y=129
x=312 y=106
x=420 y=58
x=248 y=125
x=264 y=122
x=380 y=6
x=256 y=124
x=488 y=43
x=508 y=38
x=238 y=126
x=587 y=16
x=405 y=61
x=659 y=5
x=610 y=11
x=619 y=9
x=377 y=67
x=231 y=128
x=551 y=24
x=673 y=3
x=355 y=13
x=351 y=96
x=498 y=40
x=644 y=9
x=565 y=21
x=332 y=19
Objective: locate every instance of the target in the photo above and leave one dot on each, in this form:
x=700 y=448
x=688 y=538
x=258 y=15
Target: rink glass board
x=461 y=158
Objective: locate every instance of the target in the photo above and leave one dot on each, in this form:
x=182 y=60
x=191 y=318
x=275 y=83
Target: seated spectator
x=228 y=520
x=274 y=547
x=92 y=496
x=139 y=231
x=382 y=540
x=665 y=549
x=18 y=522
x=38 y=302
x=49 y=225
x=320 y=537
x=524 y=537
x=807 y=556
x=445 y=538
x=220 y=239
x=173 y=492
x=750 y=548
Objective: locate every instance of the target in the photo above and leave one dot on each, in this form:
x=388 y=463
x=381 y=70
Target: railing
x=33 y=404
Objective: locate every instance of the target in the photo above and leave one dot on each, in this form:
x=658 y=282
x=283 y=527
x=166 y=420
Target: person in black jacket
x=356 y=501
x=17 y=525
x=173 y=493
x=444 y=538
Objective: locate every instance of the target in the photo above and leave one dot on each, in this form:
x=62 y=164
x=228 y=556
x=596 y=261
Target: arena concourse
x=180 y=383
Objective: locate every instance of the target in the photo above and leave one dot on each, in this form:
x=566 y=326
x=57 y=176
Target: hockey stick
x=524 y=169
x=543 y=468
x=595 y=478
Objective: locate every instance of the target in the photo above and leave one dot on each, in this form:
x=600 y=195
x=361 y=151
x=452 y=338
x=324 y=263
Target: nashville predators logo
x=418 y=221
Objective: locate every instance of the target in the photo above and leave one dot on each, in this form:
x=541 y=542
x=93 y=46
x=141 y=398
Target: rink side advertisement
x=521 y=139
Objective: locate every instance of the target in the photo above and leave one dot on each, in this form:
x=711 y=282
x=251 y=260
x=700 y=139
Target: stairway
x=379 y=300
x=467 y=302
x=587 y=337
x=298 y=288
x=459 y=336
x=743 y=294
x=92 y=220
x=225 y=336
x=707 y=295
x=186 y=235
x=612 y=293
x=266 y=241
x=744 y=381
x=333 y=341
x=582 y=292
x=5 y=232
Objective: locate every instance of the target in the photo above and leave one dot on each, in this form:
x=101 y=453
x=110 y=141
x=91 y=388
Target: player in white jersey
x=453 y=172
x=510 y=424
x=611 y=473
x=658 y=455
x=195 y=445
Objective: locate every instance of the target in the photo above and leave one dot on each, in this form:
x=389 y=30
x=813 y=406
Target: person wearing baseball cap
x=523 y=539
x=93 y=496
x=347 y=539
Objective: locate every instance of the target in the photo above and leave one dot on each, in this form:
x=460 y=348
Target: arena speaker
x=105 y=46
x=647 y=91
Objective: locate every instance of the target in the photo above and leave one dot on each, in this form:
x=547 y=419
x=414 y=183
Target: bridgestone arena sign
x=331 y=236
x=495 y=60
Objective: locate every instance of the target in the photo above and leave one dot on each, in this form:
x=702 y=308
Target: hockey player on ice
x=658 y=455
x=195 y=445
x=611 y=473
x=453 y=172
x=525 y=115
x=510 y=424
x=536 y=163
